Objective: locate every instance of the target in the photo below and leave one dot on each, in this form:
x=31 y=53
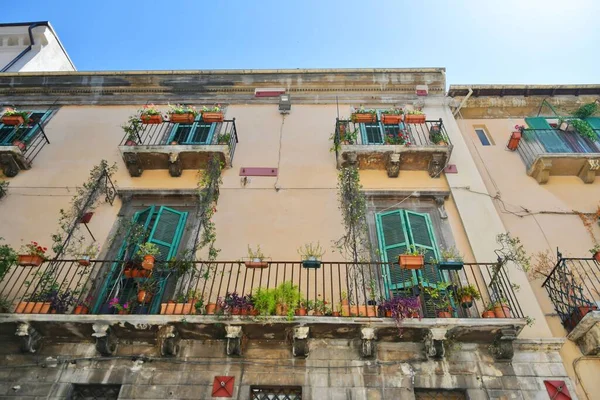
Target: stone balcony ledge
x=587 y=333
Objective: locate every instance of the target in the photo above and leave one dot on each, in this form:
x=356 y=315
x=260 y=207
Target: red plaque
x=557 y=390
x=223 y=386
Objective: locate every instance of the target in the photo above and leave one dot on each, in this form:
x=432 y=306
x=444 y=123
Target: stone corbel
x=502 y=348
x=437 y=163
x=393 y=165
x=234 y=340
x=9 y=165
x=350 y=159
x=106 y=341
x=168 y=340
x=174 y=165
x=541 y=171
x=440 y=202
x=31 y=339
x=300 y=342
x=435 y=341
x=588 y=171
x=367 y=347
x=132 y=161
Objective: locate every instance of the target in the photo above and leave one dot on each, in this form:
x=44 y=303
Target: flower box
x=177 y=308
x=33 y=307
x=212 y=116
x=411 y=262
x=81 y=310
x=451 y=265
x=415 y=119
x=256 y=264
x=364 y=118
x=186 y=118
x=29 y=260
x=391 y=119
x=151 y=119
x=13 y=120
x=311 y=263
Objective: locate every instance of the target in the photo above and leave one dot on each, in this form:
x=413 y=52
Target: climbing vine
x=208 y=196
x=589 y=220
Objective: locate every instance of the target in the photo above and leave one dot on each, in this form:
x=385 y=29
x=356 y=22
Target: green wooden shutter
x=166 y=232
x=371 y=133
x=420 y=231
x=393 y=241
x=551 y=141
x=6 y=134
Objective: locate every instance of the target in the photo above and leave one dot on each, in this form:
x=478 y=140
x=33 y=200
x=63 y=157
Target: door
x=547 y=136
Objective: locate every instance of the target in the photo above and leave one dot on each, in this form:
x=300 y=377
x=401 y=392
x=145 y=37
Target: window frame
x=381 y=127
x=197 y=124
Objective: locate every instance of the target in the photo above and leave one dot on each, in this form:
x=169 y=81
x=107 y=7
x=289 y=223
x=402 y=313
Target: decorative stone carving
x=541 y=170
x=437 y=164
x=393 y=165
x=234 y=340
x=106 y=341
x=351 y=159
x=588 y=171
x=367 y=348
x=31 y=340
x=300 y=343
x=502 y=348
x=435 y=340
x=168 y=340
x=174 y=165
x=440 y=203
x=9 y=165
x=132 y=161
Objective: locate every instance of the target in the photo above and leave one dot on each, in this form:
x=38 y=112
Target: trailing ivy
x=208 y=196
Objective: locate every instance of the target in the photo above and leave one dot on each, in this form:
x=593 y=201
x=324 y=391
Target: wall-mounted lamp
x=285 y=105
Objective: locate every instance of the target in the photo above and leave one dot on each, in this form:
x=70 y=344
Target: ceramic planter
x=488 y=314
x=256 y=263
x=391 y=119
x=84 y=261
x=411 y=262
x=311 y=262
x=81 y=310
x=29 y=260
x=502 y=311
x=364 y=118
x=187 y=118
x=444 y=314
x=33 y=307
x=212 y=116
x=450 y=265
x=13 y=120
x=86 y=218
x=466 y=301
x=415 y=119
x=144 y=296
x=21 y=145
x=211 y=308
x=148 y=262
x=151 y=119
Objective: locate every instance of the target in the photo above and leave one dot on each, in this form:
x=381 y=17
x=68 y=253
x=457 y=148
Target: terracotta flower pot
x=130 y=142
x=597 y=256
x=414 y=314
x=13 y=120
x=411 y=262
x=391 y=119
x=210 y=308
x=388 y=313
x=29 y=260
x=151 y=119
x=236 y=311
x=345 y=310
x=212 y=116
x=81 y=310
x=148 y=262
x=371 y=311
x=187 y=118
x=281 y=309
x=122 y=312
x=364 y=118
x=84 y=261
x=33 y=307
x=502 y=311
x=317 y=313
x=244 y=311
x=488 y=314
x=466 y=301
x=444 y=314
x=335 y=314
x=136 y=273
x=301 y=312
x=21 y=145
x=144 y=296
x=414 y=119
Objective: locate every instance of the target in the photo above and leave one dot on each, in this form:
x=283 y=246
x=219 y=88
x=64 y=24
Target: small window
x=95 y=392
x=275 y=393
x=483 y=137
x=434 y=394
x=196 y=133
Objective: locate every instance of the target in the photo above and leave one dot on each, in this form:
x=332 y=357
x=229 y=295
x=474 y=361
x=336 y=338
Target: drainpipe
x=462 y=103
x=31 y=43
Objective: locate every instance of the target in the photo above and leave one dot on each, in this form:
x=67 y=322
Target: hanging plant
x=586 y=110
x=584 y=129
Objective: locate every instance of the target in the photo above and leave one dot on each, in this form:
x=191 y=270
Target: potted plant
x=393 y=116
x=489 y=312
x=344 y=304
x=577 y=315
x=213 y=114
x=60 y=300
x=439 y=297
x=21 y=144
x=287 y=298
x=436 y=136
x=363 y=116
x=146 y=289
x=415 y=117
x=115 y=303
x=596 y=252
x=149 y=114
x=256 y=259
x=182 y=114
x=132 y=129
x=311 y=255
x=501 y=308
x=400 y=138
x=32 y=255
x=83 y=307
x=148 y=252
x=14 y=117
x=210 y=308
x=265 y=301
x=467 y=294
x=451 y=260
x=303 y=307
x=319 y=306
x=87 y=253
x=400 y=308
x=413 y=258
x=224 y=138
x=232 y=303
x=34 y=304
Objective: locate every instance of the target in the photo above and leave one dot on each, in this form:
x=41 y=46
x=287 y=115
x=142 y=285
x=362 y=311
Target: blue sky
x=478 y=41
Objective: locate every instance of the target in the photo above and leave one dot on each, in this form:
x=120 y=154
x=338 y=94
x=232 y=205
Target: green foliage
x=412 y=250
x=265 y=301
x=208 y=196
x=513 y=250
x=149 y=109
x=288 y=295
x=451 y=254
x=469 y=290
x=13 y=112
x=586 y=110
x=215 y=108
x=3 y=188
x=8 y=257
x=182 y=109
x=311 y=250
x=439 y=296
x=132 y=128
x=393 y=111
x=258 y=254
x=148 y=249
x=584 y=129
x=224 y=138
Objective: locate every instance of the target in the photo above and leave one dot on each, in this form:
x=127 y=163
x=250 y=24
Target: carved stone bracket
x=132 y=161
x=502 y=348
x=435 y=341
x=300 y=343
x=31 y=340
x=175 y=165
x=393 y=165
x=440 y=203
x=9 y=165
x=588 y=171
x=106 y=341
x=234 y=340
x=350 y=159
x=367 y=337
x=168 y=340
x=541 y=171
x=437 y=163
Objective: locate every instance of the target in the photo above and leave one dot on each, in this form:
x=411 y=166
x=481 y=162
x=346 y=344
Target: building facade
x=288 y=158
x=546 y=193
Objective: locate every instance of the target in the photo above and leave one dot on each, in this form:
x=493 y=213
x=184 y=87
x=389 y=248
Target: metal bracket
x=234 y=340
x=367 y=347
x=300 y=341
x=435 y=341
x=175 y=167
x=106 y=341
x=168 y=340
x=502 y=348
x=31 y=340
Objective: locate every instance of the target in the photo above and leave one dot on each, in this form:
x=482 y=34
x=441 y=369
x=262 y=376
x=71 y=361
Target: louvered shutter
x=549 y=138
x=202 y=133
x=421 y=235
x=167 y=231
x=393 y=241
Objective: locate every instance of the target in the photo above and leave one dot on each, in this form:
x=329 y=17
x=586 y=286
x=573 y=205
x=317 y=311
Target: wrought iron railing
x=574 y=288
x=166 y=134
x=352 y=289
x=20 y=136
x=533 y=144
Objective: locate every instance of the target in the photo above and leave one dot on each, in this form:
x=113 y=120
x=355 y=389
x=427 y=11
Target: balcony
x=176 y=147
x=552 y=152
x=574 y=289
x=404 y=146
x=20 y=144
